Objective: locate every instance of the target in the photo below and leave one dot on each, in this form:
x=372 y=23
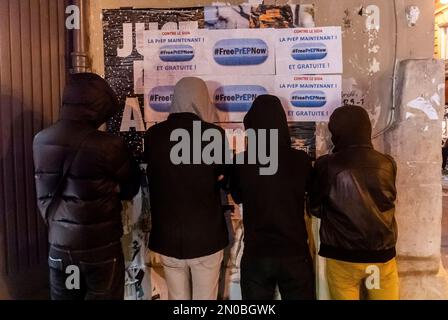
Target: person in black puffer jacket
x=354 y=193
x=85 y=227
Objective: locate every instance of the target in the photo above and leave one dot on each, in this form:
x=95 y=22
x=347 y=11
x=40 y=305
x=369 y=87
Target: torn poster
x=227 y=17
x=123 y=56
x=425 y=106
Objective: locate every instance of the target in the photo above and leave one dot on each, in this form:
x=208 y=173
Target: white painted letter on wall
x=132 y=116
x=373 y=17
x=126 y=50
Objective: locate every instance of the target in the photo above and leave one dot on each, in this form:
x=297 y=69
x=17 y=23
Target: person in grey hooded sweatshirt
x=188 y=225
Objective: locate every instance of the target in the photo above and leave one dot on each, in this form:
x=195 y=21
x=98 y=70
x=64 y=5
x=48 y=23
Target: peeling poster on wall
x=123 y=54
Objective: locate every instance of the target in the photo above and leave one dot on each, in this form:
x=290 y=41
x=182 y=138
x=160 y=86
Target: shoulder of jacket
x=157 y=126
x=323 y=159
x=385 y=159
x=390 y=158
x=42 y=136
x=105 y=140
x=300 y=154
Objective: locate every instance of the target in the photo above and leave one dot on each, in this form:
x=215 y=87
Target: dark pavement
x=445 y=227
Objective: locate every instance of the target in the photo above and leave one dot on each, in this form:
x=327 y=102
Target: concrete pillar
x=415 y=143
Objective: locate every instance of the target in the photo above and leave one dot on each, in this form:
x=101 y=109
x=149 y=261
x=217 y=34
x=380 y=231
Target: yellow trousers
x=346 y=280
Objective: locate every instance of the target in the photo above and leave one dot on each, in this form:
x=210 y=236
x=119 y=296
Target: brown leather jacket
x=354 y=193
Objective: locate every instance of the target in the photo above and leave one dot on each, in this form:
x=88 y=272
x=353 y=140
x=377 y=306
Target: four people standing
x=83 y=174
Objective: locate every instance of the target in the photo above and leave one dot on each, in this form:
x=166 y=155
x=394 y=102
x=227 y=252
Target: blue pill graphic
x=308 y=99
x=240 y=52
x=176 y=53
x=160 y=98
x=237 y=98
x=309 y=51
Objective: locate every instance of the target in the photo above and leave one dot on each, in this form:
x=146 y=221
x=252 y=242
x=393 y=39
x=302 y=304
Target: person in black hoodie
x=276 y=250
x=354 y=194
x=189 y=230
x=82 y=175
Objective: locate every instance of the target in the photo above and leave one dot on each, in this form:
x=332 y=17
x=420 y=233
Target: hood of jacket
x=88 y=97
x=267 y=113
x=191 y=96
x=350 y=126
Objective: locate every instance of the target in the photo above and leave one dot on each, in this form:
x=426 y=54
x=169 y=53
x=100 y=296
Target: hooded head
x=191 y=96
x=350 y=126
x=267 y=113
x=88 y=97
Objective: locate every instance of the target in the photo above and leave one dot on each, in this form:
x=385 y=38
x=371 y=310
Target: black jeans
x=101 y=273
x=293 y=275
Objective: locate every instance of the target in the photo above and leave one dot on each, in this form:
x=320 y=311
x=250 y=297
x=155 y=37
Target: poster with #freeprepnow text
x=309 y=51
x=243 y=52
x=232 y=96
x=205 y=52
x=309 y=98
x=175 y=52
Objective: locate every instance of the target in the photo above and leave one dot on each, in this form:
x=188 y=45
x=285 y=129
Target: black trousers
x=294 y=276
x=444 y=157
x=96 y=274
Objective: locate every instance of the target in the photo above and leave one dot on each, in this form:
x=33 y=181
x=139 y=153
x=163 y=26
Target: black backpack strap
x=55 y=196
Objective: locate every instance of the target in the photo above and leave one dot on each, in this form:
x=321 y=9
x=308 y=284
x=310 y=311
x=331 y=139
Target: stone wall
x=414 y=142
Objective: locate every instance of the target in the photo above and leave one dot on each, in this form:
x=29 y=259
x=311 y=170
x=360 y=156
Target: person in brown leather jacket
x=353 y=194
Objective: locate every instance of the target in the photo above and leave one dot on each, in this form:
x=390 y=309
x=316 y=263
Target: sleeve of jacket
x=224 y=169
x=317 y=187
x=395 y=172
x=125 y=170
x=235 y=183
x=308 y=172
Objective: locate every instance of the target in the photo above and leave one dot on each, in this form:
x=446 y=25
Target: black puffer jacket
x=102 y=173
x=354 y=193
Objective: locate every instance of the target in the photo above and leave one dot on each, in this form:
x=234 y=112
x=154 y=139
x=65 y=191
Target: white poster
x=159 y=94
x=309 y=98
x=241 y=51
x=309 y=51
x=233 y=96
x=175 y=52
